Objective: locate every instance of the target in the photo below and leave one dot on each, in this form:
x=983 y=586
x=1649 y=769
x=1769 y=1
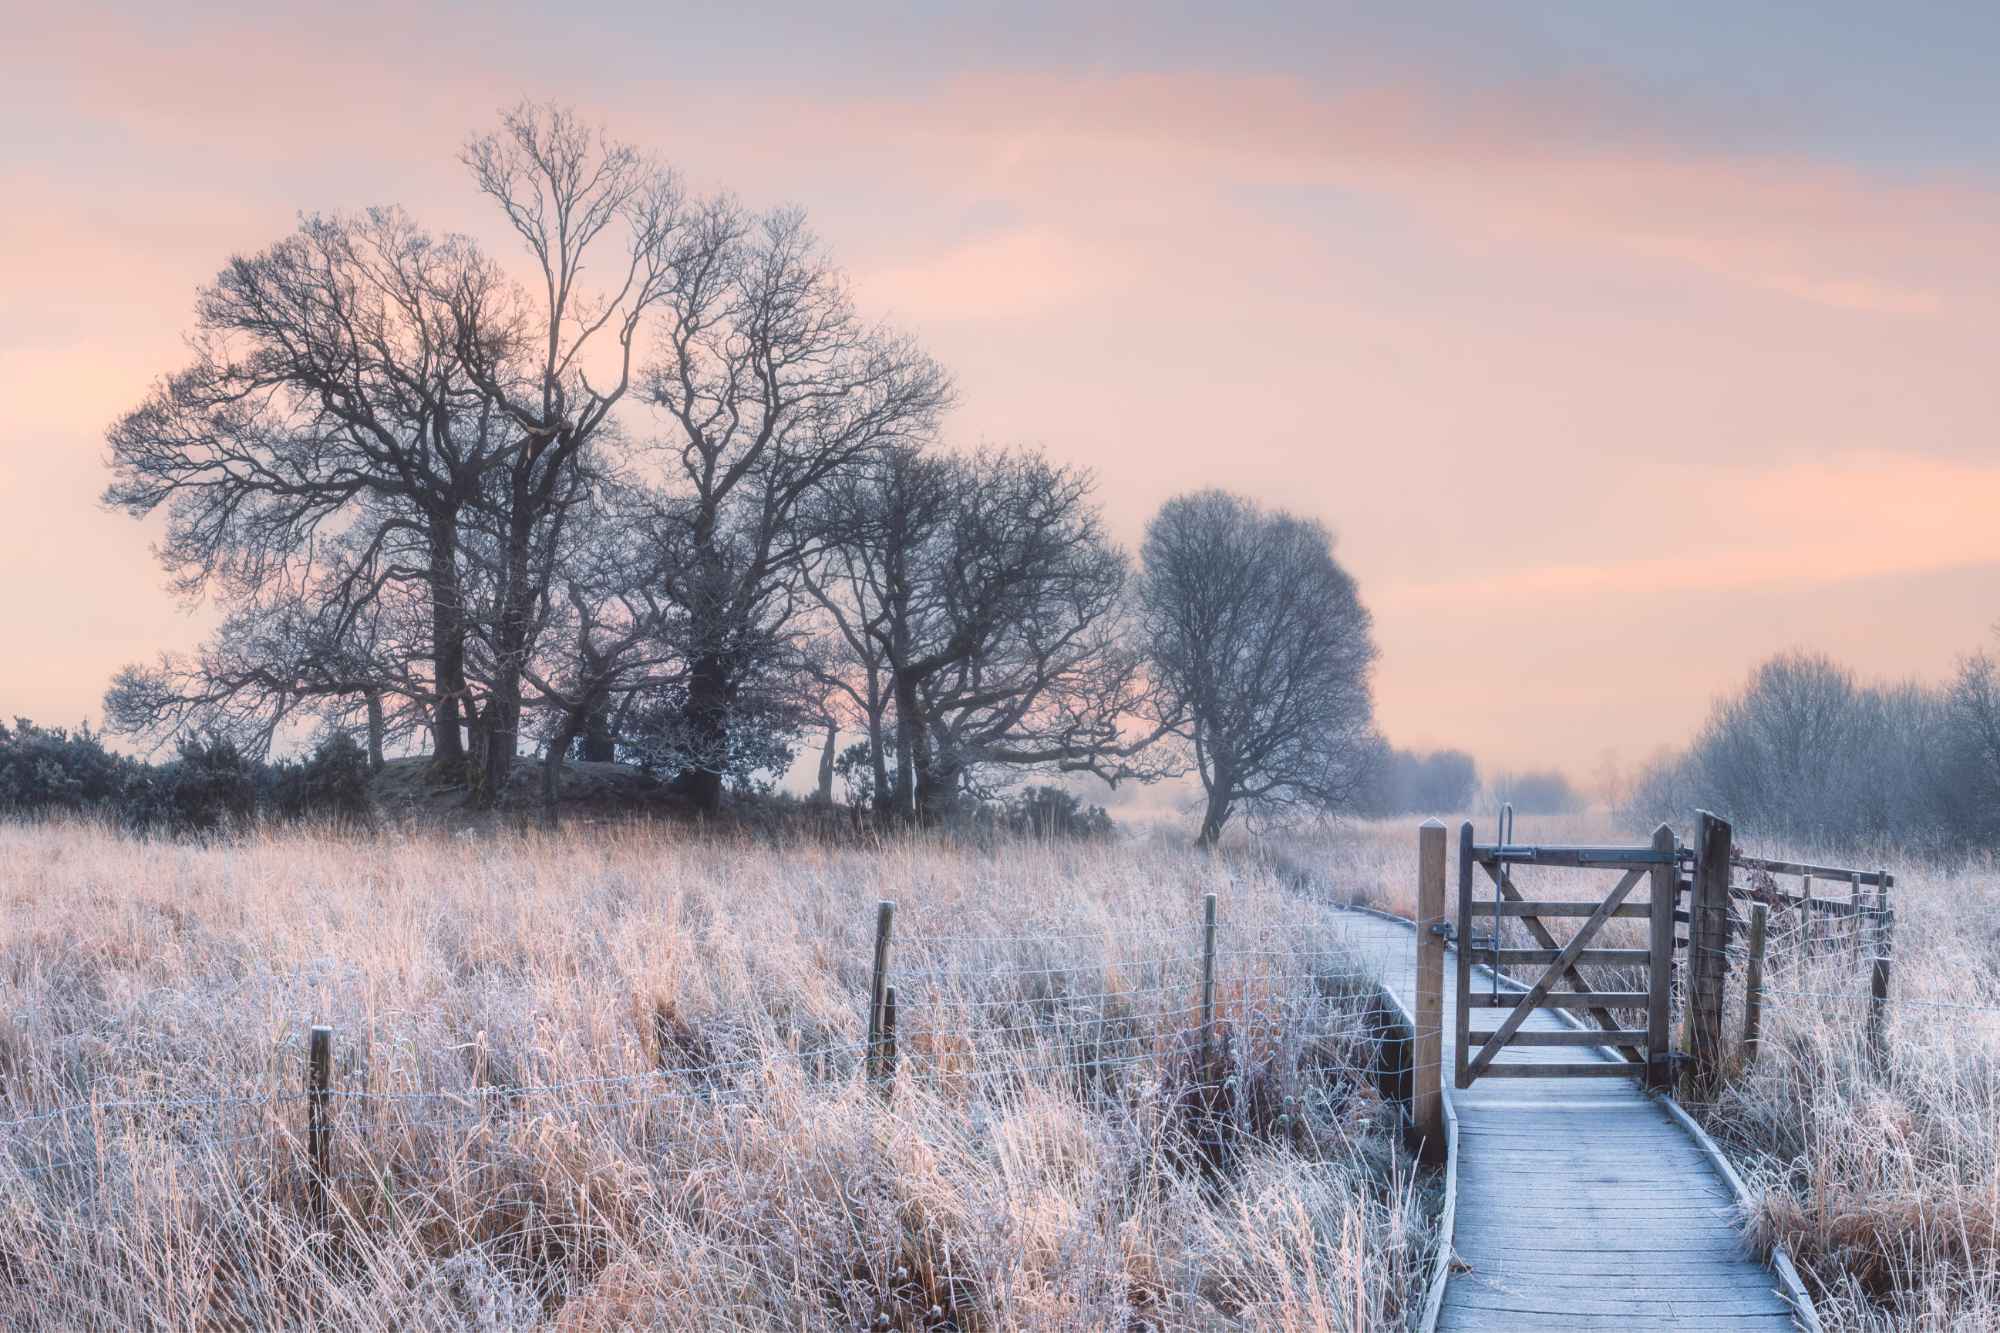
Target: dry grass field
x=614 y=1080
x=1882 y=1180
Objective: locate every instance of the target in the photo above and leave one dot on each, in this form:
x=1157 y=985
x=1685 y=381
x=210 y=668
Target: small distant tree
x=1409 y=781
x=1260 y=653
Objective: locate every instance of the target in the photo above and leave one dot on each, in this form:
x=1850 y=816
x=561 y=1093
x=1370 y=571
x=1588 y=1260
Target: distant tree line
x=1413 y=782
x=1807 y=753
x=1535 y=792
x=654 y=490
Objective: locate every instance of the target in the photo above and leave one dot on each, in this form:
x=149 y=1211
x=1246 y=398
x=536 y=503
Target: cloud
x=1005 y=274
x=1560 y=167
x=1827 y=522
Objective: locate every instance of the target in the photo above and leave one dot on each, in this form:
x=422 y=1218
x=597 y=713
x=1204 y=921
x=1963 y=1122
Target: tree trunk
x=1216 y=815
x=825 y=793
x=706 y=723
x=447 y=648
x=878 y=758
x=510 y=647
x=912 y=749
x=599 y=745
x=375 y=730
x=937 y=791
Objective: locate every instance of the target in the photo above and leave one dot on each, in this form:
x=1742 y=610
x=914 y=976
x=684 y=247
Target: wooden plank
x=1535 y=907
x=1570 y=1037
x=1805 y=868
x=1603 y=999
x=1593 y=1069
x=1572 y=858
x=1598 y=957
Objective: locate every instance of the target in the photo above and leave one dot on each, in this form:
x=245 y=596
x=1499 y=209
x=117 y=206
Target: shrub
x=330 y=784
x=208 y=788
x=46 y=769
x=1045 y=810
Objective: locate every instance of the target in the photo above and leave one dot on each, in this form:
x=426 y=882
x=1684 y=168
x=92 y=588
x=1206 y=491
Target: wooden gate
x=1486 y=920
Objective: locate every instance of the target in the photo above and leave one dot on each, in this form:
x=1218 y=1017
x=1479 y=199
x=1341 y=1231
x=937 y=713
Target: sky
x=1619 y=345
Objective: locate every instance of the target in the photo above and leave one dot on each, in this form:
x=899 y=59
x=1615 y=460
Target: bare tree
x=324 y=406
x=1261 y=651
x=365 y=383
x=1972 y=705
x=568 y=192
x=982 y=607
x=771 y=387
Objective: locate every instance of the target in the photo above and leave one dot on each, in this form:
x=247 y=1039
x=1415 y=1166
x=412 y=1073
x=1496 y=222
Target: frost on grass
x=617 y=1082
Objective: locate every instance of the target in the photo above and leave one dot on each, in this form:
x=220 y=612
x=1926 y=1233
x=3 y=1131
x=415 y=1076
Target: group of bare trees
x=651 y=488
x=1807 y=752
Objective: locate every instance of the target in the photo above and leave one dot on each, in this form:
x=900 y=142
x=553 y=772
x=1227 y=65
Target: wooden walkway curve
x=1582 y=1203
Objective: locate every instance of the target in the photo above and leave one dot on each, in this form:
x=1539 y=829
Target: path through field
x=1582 y=1204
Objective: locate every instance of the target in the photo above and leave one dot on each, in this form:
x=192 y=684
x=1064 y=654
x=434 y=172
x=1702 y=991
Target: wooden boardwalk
x=1581 y=1203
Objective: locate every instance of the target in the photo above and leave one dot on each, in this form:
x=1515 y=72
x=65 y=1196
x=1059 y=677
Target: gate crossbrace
x=1563 y=965
x=1602 y=1017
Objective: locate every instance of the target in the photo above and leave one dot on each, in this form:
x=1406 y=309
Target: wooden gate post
x=1427 y=1096
x=1660 y=972
x=1708 y=963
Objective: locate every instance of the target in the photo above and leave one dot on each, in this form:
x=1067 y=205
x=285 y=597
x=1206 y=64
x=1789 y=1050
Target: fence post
x=1878 y=972
x=1660 y=972
x=1806 y=931
x=1753 y=985
x=319 y=1125
x=1708 y=939
x=889 y=1034
x=885 y=917
x=1207 y=974
x=1427 y=1088
x=1854 y=913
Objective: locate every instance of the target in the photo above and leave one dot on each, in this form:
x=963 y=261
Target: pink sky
x=1601 y=408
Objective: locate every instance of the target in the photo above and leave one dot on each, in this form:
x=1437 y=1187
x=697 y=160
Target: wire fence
x=1202 y=1016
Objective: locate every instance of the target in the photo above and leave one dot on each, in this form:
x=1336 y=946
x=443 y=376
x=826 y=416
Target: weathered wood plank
x=1805 y=868
x=1573 y=1037
x=1564 y=999
x=1540 y=907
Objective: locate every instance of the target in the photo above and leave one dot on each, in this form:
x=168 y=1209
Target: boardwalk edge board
x=1781 y=1262
x=1423 y=1318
